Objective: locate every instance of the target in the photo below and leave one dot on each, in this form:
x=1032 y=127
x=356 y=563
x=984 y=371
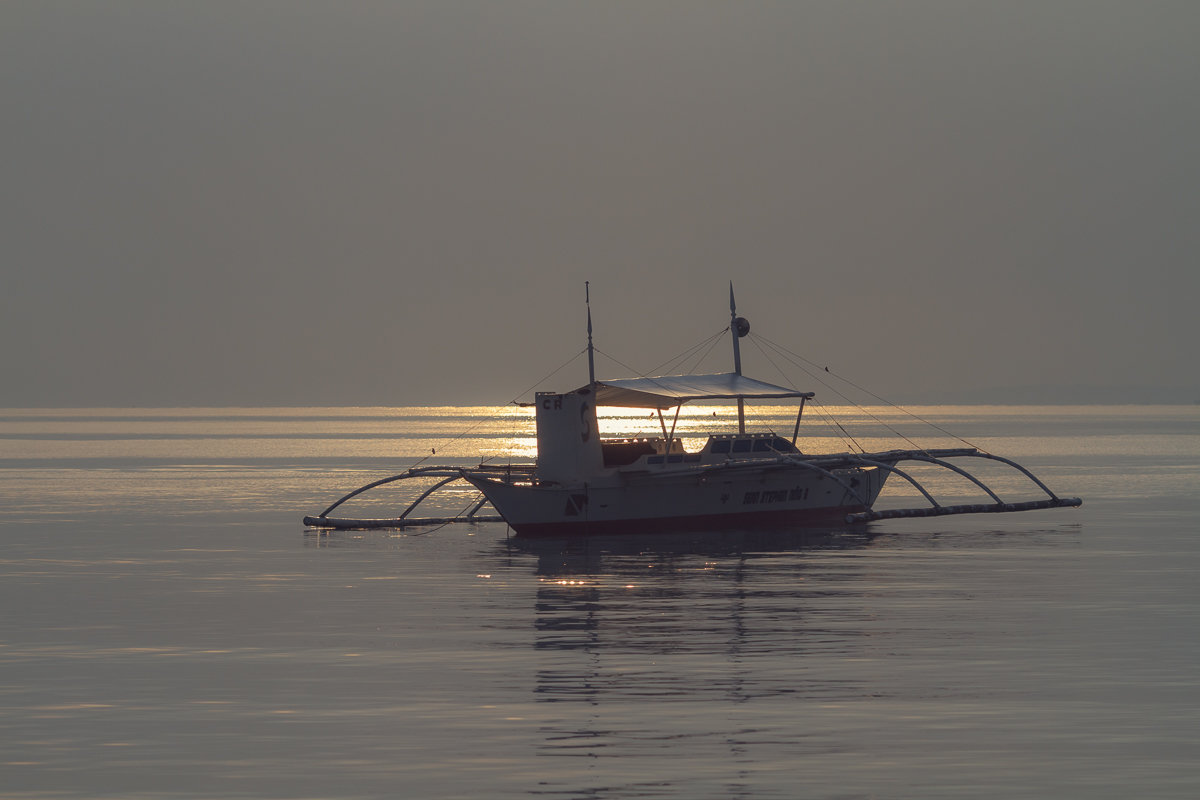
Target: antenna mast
x=733 y=329
x=587 y=299
x=738 y=327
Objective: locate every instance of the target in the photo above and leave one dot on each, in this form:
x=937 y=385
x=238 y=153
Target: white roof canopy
x=668 y=391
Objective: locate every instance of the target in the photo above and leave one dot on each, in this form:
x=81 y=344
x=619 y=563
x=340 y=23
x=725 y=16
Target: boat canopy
x=668 y=391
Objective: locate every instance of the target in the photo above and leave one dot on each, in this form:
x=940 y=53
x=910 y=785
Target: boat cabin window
x=622 y=452
x=752 y=443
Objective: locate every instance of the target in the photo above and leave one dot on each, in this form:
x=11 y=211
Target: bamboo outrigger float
x=582 y=484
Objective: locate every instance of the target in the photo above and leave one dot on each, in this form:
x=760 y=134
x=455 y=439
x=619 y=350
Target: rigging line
x=556 y=370
x=829 y=419
x=675 y=363
x=710 y=342
x=444 y=524
x=471 y=429
x=880 y=399
x=622 y=364
x=787 y=378
x=784 y=353
x=832 y=420
x=816 y=377
x=841 y=395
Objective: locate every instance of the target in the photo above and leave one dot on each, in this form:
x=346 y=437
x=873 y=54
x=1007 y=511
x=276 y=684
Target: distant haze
x=304 y=203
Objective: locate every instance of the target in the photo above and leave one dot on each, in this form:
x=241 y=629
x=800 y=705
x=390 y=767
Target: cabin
x=652 y=451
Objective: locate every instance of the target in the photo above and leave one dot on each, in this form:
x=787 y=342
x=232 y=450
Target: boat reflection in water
x=692 y=616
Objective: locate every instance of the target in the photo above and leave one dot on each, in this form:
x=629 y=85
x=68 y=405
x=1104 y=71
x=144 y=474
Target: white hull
x=625 y=502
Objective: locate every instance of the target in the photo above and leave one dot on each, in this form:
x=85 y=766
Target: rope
x=444 y=524
x=831 y=420
x=622 y=364
x=710 y=343
x=713 y=343
x=556 y=370
x=783 y=351
x=661 y=369
x=471 y=429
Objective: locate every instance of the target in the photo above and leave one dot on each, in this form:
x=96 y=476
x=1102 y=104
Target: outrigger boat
x=582 y=484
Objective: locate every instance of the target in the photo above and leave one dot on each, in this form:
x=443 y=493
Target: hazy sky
x=384 y=203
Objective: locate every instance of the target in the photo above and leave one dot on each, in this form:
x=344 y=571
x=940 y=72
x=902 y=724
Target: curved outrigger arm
x=892 y=468
x=448 y=475
x=799 y=462
x=1027 y=474
x=889 y=459
x=368 y=487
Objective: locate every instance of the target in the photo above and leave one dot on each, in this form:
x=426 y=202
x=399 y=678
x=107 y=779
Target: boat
x=582 y=484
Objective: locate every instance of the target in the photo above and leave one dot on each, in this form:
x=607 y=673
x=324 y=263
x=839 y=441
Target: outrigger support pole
x=888 y=461
x=447 y=474
x=428 y=492
x=896 y=470
x=669 y=437
x=799 y=414
x=360 y=490
x=587 y=299
x=737 y=356
x=798 y=462
x=940 y=463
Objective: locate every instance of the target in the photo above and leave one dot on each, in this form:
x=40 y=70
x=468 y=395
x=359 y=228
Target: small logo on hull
x=576 y=503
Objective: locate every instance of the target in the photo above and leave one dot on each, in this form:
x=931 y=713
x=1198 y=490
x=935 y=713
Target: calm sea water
x=170 y=629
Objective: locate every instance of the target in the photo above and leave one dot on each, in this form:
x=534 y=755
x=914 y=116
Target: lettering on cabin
x=553 y=404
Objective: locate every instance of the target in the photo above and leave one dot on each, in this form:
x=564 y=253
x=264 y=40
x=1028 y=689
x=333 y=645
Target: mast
x=738 y=327
x=587 y=299
x=733 y=329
